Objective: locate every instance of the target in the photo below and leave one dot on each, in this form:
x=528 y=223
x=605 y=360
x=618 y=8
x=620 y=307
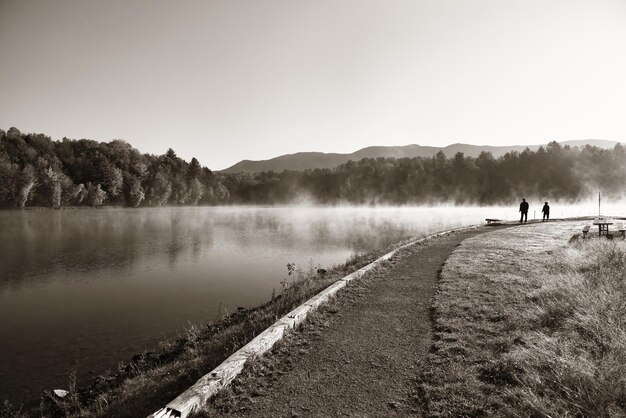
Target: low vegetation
x=528 y=323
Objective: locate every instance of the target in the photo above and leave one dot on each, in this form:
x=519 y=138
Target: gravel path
x=359 y=355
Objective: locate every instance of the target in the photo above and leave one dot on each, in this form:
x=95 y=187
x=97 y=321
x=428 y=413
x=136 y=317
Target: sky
x=229 y=80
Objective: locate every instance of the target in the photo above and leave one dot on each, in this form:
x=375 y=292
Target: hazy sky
x=231 y=80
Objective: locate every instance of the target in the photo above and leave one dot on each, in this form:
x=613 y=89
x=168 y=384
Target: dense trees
x=36 y=171
x=551 y=172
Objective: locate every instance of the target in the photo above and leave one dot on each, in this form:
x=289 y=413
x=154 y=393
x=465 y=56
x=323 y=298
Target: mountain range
x=312 y=160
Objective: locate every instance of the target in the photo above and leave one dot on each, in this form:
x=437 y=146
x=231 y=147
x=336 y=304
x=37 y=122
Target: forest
x=37 y=171
x=550 y=173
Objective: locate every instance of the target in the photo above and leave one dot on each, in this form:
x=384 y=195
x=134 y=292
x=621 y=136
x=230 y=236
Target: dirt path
x=357 y=357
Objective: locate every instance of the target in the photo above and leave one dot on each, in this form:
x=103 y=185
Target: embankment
x=359 y=355
x=525 y=321
x=151 y=379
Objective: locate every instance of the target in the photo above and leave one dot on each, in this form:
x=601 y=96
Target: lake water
x=82 y=290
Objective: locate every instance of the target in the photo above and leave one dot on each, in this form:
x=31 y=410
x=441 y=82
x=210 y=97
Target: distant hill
x=311 y=160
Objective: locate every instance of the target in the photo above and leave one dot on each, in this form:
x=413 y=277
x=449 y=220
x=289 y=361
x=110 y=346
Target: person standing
x=523 y=208
x=546 y=212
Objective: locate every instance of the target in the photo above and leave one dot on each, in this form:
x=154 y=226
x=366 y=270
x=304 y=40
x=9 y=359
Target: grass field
x=529 y=321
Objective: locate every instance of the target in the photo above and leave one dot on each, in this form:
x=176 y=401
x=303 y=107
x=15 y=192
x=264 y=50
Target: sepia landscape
x=292 y=209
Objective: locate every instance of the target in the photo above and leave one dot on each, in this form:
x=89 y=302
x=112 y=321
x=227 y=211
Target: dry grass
x=529 y=324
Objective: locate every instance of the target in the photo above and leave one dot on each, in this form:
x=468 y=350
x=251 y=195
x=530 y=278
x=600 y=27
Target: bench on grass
x=586 y=230
x=491 y=221
x=622 y=230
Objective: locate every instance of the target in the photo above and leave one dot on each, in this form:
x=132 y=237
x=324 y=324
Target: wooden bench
x=586 y=230
x=622 y=230
x=491 y=221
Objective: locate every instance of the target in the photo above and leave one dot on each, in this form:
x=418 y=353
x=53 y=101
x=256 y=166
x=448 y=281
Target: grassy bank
x=151 y=379
x=529 y=321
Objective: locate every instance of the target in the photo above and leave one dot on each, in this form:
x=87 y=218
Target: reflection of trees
x=309 y=228
x=78 y=241
x=37 y=243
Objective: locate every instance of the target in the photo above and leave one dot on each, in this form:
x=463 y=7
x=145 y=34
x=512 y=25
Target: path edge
x=221 y=376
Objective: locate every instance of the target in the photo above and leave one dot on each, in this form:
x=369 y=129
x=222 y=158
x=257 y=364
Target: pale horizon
x=225 y=81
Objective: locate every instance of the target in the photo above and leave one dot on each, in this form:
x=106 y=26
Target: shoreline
x=356 y=354
x=146 y=361
x=219 y=378
x=586 y=205
x=234 y=330
x=524 y=323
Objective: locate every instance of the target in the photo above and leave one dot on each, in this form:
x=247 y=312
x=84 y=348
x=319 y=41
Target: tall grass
x=574 y=361
x=527 y=324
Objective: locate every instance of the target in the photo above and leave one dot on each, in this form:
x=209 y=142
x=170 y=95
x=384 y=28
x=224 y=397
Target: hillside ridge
x=315 y=159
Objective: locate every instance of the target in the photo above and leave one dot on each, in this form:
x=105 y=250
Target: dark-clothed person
x=546 y=212
x=523 y=208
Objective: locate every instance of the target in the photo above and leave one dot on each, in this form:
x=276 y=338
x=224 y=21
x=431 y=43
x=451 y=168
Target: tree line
x=552 y=172
x=37 y=171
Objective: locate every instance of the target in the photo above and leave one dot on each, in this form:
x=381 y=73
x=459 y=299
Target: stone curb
x=210 y=384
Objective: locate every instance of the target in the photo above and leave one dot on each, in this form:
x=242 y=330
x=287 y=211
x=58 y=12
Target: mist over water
x=81 y=290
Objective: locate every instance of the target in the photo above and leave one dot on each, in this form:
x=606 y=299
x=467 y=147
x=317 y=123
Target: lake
x=82 y=290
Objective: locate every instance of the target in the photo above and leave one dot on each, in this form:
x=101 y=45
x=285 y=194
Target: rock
x=60 y=393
